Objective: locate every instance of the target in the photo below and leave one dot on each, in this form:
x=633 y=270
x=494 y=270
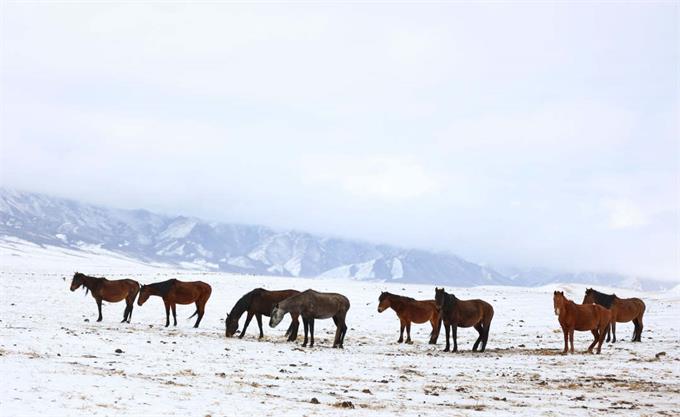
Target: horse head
x=383 y=301
x=276 y=316
x=230 y=325
x=589 y=298
x=77 y=281
x=439 y=297
x=144 y=293
x=558 y=302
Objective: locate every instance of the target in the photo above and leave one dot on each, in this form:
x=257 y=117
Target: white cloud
x=373 y=178
x=624 y=214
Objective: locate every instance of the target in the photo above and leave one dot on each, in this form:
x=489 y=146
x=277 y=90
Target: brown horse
x=409 y=310
x=175 y=292
x=111 y=291
x=581 y=317
x=313 y=305
x=463 y=313
x=260 y=302
x=623 y=310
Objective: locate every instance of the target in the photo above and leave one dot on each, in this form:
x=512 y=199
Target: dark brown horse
x=260 y=302
x=463 y=313
x=411 y=311
x=111 y=291
x=175 y=292
x=313 y=305
x=581 y=317
x=623 y=310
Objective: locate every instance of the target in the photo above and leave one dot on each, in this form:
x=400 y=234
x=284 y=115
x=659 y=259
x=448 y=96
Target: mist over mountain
x=189 y=242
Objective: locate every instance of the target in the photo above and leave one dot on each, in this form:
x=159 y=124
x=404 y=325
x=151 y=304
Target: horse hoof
x=409 y=342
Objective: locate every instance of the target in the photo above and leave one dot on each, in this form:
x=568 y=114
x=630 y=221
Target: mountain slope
x=191 y=242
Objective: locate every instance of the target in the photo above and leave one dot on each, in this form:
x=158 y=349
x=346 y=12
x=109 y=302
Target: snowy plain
x=56 y=360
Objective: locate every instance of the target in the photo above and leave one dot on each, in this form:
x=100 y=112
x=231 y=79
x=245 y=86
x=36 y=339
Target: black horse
x=260 y=302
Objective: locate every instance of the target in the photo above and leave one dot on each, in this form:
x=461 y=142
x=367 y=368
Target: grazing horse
x=111 y=291
x=409 y=310
x=581 y=317
x=313 y=305
x=623 y=310
x=463 y=313
x=259 y=302
x=175 y=292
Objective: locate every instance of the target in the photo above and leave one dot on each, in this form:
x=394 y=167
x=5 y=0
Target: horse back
x=467 y=313
x=188 y=292
x=589 y=316
x=264 y=301
x=628 y=309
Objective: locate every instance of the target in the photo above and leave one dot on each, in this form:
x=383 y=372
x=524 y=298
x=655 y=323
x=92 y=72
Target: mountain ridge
x=191 y=242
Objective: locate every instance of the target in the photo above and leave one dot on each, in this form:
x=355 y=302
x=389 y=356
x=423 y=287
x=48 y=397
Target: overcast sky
x=532 y=135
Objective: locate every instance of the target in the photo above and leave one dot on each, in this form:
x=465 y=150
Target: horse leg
x=259 y=324
x=338 y=331
x=638 y=329
x=447 y=328
x=125 y=312
x=174 y=313
x=401 y=331
x=486 y=336
x=293 y=329
x=99 y=308
x=566 y=340
x=433 y=340
x=311 y=332
x=167 y=313
x=245 y=325
x=571 y=339
x=596 y=335
x=454 y=336
x=131 y=304
x=408 y=333
x=200 y=309
x=480 y=330
x=613 y=325
x=305 y=324
x=602 y=330
x=609 y=333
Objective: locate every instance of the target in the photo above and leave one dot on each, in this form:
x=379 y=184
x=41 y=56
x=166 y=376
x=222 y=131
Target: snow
x=178 y=229
x=54 y=361
x=397 y=269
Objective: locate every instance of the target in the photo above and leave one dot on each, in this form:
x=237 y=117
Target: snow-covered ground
x=56 y=360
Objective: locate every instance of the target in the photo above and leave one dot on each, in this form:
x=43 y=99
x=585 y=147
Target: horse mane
x=244 y=302
x=449 y=300
x=162 y=288
x=605 y=300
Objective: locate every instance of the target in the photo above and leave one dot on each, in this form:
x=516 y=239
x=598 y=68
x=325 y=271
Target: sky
x=519 y=134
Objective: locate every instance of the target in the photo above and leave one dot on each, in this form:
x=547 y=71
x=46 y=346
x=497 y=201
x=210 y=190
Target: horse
x=623 y=310
x=581 y=317
x=463 y=313
x=111 y=291
x=259 y=302
x=313 y=305
x=409 y=310
x=175 y=292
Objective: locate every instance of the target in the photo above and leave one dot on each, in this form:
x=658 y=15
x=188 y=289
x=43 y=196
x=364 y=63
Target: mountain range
x=188 y=242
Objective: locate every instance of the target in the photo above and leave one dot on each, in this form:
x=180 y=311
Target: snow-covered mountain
x=194 y=243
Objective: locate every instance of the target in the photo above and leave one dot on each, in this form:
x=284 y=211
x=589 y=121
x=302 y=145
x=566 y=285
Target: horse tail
x=196 y=312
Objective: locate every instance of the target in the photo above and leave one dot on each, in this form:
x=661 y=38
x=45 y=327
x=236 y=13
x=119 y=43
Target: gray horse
x=314 y=305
